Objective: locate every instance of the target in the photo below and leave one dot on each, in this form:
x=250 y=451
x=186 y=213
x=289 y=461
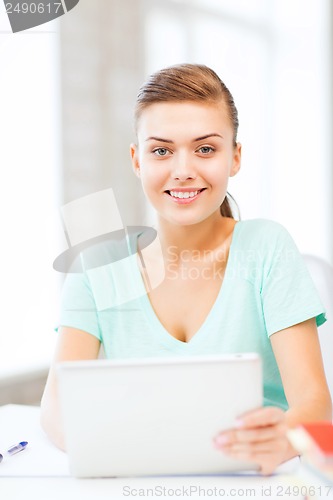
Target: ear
x=236 y=164
x=135 y=159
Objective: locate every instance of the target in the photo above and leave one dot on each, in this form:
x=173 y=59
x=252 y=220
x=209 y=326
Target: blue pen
x=1 y=457
x=18 y=447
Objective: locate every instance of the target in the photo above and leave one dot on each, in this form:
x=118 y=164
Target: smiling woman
x=202 y=86
x=191 y=151
x=185 y=153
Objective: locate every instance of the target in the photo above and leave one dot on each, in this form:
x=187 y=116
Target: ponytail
x=225 y=208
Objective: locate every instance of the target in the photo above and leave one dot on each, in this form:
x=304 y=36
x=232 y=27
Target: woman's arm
x=298 y=355
x=261 y=434
x=72 y=344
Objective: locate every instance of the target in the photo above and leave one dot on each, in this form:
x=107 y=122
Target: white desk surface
x=40 y=472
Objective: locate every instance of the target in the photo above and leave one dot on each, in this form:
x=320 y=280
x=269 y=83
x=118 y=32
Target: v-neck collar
x=156 y=324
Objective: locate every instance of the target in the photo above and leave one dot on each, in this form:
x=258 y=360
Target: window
x=29 y=158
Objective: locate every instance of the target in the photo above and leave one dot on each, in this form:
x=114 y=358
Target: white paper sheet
x=40 y=458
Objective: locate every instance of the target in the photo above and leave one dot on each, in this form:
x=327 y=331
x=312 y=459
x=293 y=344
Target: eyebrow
x=168 y=141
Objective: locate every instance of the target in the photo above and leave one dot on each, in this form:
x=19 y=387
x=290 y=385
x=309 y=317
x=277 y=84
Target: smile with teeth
x=184 y=194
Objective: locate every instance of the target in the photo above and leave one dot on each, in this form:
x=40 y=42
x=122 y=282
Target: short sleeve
x=288 y=294
x=77 y=305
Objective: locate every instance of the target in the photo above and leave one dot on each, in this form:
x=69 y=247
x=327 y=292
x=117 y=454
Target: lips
x=184 y=196
x=184 y=193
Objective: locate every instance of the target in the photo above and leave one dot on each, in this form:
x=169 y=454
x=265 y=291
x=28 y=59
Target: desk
x=41 y=473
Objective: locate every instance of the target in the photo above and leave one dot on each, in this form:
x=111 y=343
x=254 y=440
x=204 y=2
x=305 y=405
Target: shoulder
x=261 y=225
x=261 y=244
x=264 y=232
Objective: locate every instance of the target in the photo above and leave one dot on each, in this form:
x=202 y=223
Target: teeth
x=179 y=194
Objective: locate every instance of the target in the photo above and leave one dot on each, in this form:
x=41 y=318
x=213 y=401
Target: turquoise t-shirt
x=266 y=288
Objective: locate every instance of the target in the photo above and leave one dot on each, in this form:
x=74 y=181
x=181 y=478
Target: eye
x=206 y=150
x=160 y=151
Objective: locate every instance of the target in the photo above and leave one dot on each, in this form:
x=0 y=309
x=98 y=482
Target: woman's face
x=184 y=158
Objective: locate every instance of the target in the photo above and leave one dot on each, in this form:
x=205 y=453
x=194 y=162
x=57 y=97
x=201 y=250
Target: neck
x=205 y=235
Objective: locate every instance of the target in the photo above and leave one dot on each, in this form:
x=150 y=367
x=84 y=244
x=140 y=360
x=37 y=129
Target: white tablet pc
x=154 y=416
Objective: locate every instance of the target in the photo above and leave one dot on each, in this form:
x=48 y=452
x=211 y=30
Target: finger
x=251 y=435
x=261 y=417
x=277 y=446
x=265 y=461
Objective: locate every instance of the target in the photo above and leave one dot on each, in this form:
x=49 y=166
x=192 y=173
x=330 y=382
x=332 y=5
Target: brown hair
x=189 y=82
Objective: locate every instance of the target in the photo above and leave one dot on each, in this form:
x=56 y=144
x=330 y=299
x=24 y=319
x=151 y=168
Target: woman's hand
x=259 y=437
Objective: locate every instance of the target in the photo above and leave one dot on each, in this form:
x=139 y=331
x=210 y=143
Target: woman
x=228 y=286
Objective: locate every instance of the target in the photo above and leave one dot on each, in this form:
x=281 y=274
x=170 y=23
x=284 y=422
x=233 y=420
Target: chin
x=183 y=221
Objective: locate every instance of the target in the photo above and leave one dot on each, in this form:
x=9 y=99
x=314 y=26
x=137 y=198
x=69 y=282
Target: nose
x=183 y=168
